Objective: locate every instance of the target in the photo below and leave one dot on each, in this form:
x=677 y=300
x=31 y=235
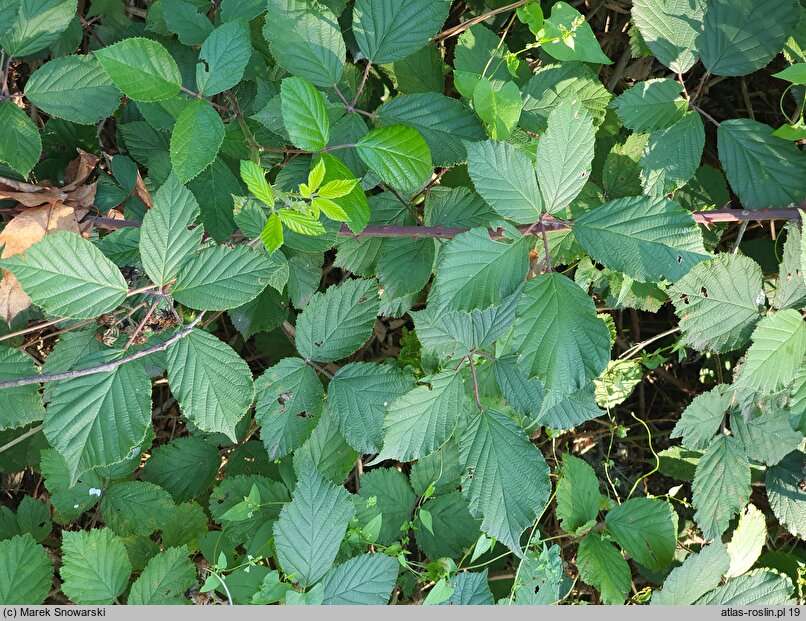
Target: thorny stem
x=475 y=382
x=361 y=86
x=545 y=245
x=104 y=368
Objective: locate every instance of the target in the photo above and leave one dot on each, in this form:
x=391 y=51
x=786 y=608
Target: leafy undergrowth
x=413 y=301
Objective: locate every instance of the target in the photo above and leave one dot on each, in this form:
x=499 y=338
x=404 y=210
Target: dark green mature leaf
x=34 y=25
x=564 y=155
x=365 y=580
x=757 y=588
x=741 y=36
x=141 y=68
x=763 y=170
x=444 y=123
x=385 y=492
x=560 y=339
x=399 y=155
x=602 y=566
x=289 y=394
x=499 y=105
x=165 y=241
x=306 y=40
x=505 y=178
x=475 y=272
x=420 y=421
x=649 y=239
x=21 y=144
x=454 y=529
x=310 y=528
x=328 y=450
x=391 y=30
x=698 y=574
x=405 y=265
x=470 y=589
x=26 y=574
x=304 y=114
x=95 y=566
x=185 y=467
x=672 y=155
x=211 y=382
x=184 y=19
x=195 y=140
x=721 y=485
x=767 y=437
x=777 y=352
x=524 y=394
x=357 y=398
x=74 y=88
x=702 y=418
x=506 y=480
x=670 y=29
x=646 y=528
x=651 y=105
x=578 y=496
x=21 y=405
x=718 y=302
x=220 y=278
x=164 y=580
x=223 y=58
x=132 y=508
x=784 y=493
x=99 y=420
x=621 y=172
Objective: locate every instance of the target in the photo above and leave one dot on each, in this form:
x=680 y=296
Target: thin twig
x=455 y=30
x=103 y=368
x=742 y=229
x=142 y=324
x=704 y=113
x=475 y=382
x=24 y=436
x=545 y=245
x=361 y=86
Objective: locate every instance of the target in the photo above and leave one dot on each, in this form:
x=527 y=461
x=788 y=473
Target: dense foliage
x=402 y=301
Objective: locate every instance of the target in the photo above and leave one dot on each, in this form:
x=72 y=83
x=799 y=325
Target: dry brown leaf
x=21 y=233
x=141 y=192
x=78 y=170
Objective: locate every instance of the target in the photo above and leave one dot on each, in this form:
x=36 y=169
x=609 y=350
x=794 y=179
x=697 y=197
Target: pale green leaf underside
x=364 y=580
x=698 y=574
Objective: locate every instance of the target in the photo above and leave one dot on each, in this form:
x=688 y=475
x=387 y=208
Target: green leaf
x=476 y=272
x=164 y=580
x=301 y=223
x=670 y=29
x=354 y=204
x=564 y=155
x=133 y=508
x=718 y=302
x=231 y=492
x=506 y=480
x=602 y=566
x=35 y=25
x=767 y=437
x=337 y=322
x=391 y=30
x=578 y=497
x=498 y=105
x=698 y=574
x=74 y=88
x=646 y=238
x=646 y=528
x=672 y=155
x=185 y=467
x=747 y=541
x=385 y=492
x=721 y=485
x=304 y=114
x=289 y=395
x=742 y=36
x=399 y=155
x=272 y=233
x=254 y=177
x=195 y=140
x=453 y=530
x=183 y=19
x=651 y=105
x=758 y=588
x=211 y=382
x=582 y=45
x=165 y=241
x=777 y=352
x=791 y=287
x=21 y=405
x=310 y=528
x=95 y=566
x=101 y=419
x=405 y=265
x=328 y=450
x=505 y=178
x=141 y=68
x=785 y=496
x=444 y=123
x=702 y=418
x=26 y=574
x=524 y=394
x=621 y=172
x=795 y=74
x=357 y=398
x=763 y=170
x=21 y=144
x=558 y=334
x=420 y=421
x=223 y=58
x=367 y=579
x=220 y=278
x=306 y=40
x=440 y=593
